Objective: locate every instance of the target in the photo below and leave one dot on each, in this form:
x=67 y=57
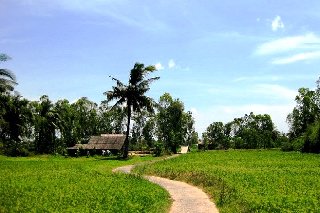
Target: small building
x=184 y=149
x=96 y=144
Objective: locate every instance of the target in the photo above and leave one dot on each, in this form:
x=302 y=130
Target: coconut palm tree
x=133 y=95
x=7 y=78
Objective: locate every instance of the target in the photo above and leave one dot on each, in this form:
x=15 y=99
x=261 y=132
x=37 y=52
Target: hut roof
x=105 y=141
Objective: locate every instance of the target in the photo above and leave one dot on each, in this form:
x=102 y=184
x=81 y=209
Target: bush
x=16 y=148
x=295 y=145
x=158 y=149
x=312 y=139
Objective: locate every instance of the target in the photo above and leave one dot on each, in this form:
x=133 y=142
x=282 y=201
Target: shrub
x=158 y=149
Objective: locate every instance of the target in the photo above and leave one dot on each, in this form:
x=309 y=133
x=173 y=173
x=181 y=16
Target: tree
x=190 y=135
x=15 y=118
x=85 y=119
x=248 y=132
x=304 y=113
x=7 y=78
x=111 y=119
x=148 y=132
x=140 y=120
x=133 y=95
x=45 y=125
x=65 y=123
x=304 y=122
x=216 y=136
x=174 y=126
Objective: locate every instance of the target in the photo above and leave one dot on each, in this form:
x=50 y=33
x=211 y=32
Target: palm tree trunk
x=126 y=142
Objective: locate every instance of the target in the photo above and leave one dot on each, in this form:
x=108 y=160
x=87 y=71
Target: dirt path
x=186 y=198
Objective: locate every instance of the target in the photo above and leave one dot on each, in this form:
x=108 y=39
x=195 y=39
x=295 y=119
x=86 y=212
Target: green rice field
x=249 y=181
x=58 y=184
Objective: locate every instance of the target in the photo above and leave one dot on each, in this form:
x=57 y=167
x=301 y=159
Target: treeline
x=247 y=132
x=258 y=131
x=304 y=121
x=47 y=127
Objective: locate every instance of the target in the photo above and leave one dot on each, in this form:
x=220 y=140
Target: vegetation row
x=50 y=127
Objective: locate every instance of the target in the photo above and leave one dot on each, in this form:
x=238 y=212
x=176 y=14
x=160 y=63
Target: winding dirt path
x=186 y=198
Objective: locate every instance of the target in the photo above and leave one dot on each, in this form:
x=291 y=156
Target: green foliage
x=57 y=184
x=14 y=119
x=249 y=181
x=148 y=132
x=305 y=112
x=216 y=137
x=312 y=138
x=248 y=132
x=304 y=122
x=158 y=149
x=174 y=126
x=45 y=119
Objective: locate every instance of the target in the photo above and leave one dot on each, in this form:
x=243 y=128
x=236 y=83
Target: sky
x=222 y=59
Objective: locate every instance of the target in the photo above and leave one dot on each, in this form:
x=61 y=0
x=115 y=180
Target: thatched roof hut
x=112 y=142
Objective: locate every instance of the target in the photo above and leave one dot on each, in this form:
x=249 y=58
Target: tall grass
x=57 y=184
x=249 y=181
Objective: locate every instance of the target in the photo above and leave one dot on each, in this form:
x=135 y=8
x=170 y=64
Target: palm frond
x=147 y=82
x=151 y=68
x=6 y=85
x=119 y=83
x=4 y=57
x=7 y=73
x=136 y=74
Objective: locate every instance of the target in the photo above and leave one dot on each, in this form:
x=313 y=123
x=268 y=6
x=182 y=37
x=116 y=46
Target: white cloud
x=275 y=91
x=122 y=11
x=159 y=66
x=257 y=78
x=277 y=23
x=171 y=64
x=297 y=57
x=307 y=41
x=292 y=49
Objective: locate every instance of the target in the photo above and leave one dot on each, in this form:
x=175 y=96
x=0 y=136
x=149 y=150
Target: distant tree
x=133 y=95
x=85 y=119
x=7 y=78
x=139 y=122
x=174 y=126
x=65 y=123
x=111 y=119
x=304 y=122
x=217 y=139
x=15 y=118
x=304 y=113
x=248 y=132
x=148 y=132
x=45 y=118
x=190 y=135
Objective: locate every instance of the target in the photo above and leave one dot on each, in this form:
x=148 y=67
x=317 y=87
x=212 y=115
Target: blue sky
x=221 y=58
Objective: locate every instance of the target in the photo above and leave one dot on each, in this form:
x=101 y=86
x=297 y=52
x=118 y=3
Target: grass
x=249 y=181
x=57 y=184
